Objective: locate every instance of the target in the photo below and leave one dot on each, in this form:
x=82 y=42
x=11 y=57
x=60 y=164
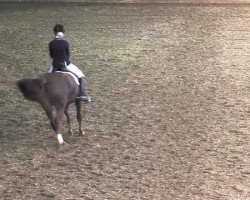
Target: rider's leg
x=83 y=94
x=81 y=77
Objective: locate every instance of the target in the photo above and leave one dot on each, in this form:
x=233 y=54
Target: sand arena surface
x=170 y=119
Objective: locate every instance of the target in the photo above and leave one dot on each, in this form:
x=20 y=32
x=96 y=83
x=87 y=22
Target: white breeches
x=75 y=70
x=71 y=67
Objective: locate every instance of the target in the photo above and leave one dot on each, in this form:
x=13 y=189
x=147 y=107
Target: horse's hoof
x=63 y=144
x=82 y=133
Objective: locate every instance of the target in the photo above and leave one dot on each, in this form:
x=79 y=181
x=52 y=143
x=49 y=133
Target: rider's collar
x=59 y=35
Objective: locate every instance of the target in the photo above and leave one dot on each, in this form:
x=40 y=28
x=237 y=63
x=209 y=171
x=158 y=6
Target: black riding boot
x=83 y=94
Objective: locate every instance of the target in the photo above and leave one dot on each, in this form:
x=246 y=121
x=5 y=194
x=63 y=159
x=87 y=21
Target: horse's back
x=60 y=88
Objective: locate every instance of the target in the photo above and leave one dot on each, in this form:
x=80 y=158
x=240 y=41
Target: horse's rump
x=51 y=87
x=72 y=74
x=60 y=86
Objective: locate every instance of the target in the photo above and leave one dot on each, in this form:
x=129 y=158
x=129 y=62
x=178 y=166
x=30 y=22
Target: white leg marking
x=60 y=138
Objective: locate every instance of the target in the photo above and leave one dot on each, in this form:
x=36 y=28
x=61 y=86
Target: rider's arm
x=50 y=50
x=67 y=50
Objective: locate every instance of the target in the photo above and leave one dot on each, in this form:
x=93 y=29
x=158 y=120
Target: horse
x=57 y=90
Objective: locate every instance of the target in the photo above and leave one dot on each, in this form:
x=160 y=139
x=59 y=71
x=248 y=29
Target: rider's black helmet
x=58 y=28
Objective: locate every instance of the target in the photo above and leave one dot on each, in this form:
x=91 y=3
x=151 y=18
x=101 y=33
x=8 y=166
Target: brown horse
x=57 y=90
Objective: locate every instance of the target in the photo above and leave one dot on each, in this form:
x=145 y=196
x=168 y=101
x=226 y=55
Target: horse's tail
x=31 y=88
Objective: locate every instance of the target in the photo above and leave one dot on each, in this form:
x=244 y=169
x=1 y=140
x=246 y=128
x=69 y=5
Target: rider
x=59 y=52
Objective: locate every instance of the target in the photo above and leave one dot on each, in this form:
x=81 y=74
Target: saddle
x=60 y=66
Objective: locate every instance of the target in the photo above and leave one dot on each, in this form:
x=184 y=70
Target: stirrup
x=85 y=98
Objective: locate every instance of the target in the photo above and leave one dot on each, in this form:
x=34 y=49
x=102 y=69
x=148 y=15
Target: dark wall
x=135 y=1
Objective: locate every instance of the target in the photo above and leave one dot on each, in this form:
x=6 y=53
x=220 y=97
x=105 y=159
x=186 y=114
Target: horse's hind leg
x=49 y=112
x=79 y=116
x=54 y=122
x=66 y=112
x=59 y=116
